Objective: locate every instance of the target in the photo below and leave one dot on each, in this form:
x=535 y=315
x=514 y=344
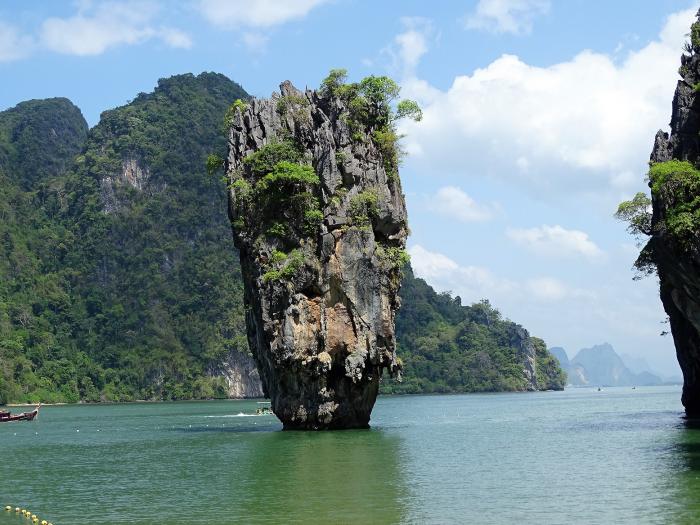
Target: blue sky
x=539 y=118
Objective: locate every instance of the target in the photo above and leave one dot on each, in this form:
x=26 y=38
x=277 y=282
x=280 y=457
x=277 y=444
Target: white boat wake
x=240 y=414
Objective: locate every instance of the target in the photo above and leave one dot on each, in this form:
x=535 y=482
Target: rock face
x=321 y=242
x=679 y=266
x=526 y=355
x=241 y=376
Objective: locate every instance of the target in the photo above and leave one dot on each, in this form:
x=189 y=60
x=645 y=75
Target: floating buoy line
x=27 y=514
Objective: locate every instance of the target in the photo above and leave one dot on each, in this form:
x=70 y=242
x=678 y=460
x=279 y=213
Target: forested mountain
x=38 y=139
x=161 y=280
x=448 y=347
x=147 y=299
x=119 y=279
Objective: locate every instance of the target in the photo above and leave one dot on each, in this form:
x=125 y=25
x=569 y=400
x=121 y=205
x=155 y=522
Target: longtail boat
x=6 y=417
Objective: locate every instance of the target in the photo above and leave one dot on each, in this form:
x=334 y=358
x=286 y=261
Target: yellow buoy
x=24 y=511
x=34 y=517
x=8 y=508
x=44 y=522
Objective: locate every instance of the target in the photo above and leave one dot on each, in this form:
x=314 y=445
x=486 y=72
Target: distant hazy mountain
x=561 y=356
x=673 y=380
x=600 y=365
x=636 y=364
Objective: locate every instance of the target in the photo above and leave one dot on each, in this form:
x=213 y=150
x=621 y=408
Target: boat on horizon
x=6 y=416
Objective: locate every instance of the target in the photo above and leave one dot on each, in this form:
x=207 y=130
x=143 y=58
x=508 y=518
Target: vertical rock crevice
x=320 y=221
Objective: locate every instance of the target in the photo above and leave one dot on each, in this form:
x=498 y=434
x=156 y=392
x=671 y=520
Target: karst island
x=320 y=222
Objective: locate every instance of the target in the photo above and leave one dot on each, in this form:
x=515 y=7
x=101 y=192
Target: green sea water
x=579 y=456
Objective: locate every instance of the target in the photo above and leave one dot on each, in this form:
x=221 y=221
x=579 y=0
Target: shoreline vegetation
x=425 y=394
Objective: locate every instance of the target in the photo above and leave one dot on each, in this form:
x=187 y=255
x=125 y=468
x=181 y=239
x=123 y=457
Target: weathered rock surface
x=322 y=336
x=241 y=376
x=679 y=267
x=526 y=355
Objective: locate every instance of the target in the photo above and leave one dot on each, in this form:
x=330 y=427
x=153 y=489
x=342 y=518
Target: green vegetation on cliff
x=676 y=183
x=38 y=139
x=280 y=202
x=161 y=284
x=118 y=275
x=681 y=182
x=549 y=374
x=146 y=298
x=370 y=108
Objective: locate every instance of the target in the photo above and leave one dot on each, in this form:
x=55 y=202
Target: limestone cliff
x=241 y=375
x=674 y=246
x=320 y=222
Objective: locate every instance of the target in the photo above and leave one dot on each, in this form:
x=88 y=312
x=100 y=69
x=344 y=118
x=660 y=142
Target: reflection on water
x=682 y=458
x=171 y=464
x=332 y=477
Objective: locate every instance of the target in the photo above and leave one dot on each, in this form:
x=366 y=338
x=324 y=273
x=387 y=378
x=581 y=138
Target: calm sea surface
x=579 y=456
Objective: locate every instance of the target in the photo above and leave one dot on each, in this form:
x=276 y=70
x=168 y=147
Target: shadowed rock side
x=320 y=226
x=678 y=262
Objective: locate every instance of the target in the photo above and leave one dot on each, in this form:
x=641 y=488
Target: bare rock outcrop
x=241 y=375
x=319 y=218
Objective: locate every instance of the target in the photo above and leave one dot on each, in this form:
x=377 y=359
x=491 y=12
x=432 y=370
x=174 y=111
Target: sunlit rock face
x=320 y=223
x=678 y=261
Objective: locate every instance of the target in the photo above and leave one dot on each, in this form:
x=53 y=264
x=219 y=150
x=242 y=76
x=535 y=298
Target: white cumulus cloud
x=506 y=16
x=555 y=241
x=549 y=289
x=473 y=283
x=174 y=37
x=409 y=46
x=580 y=127
x=93 y=30
x=255 y=41
x=255 y=13
x=13 y=44
x=452 y=201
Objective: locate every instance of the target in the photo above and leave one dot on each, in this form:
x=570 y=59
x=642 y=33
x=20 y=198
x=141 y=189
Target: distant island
x=601 y=365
